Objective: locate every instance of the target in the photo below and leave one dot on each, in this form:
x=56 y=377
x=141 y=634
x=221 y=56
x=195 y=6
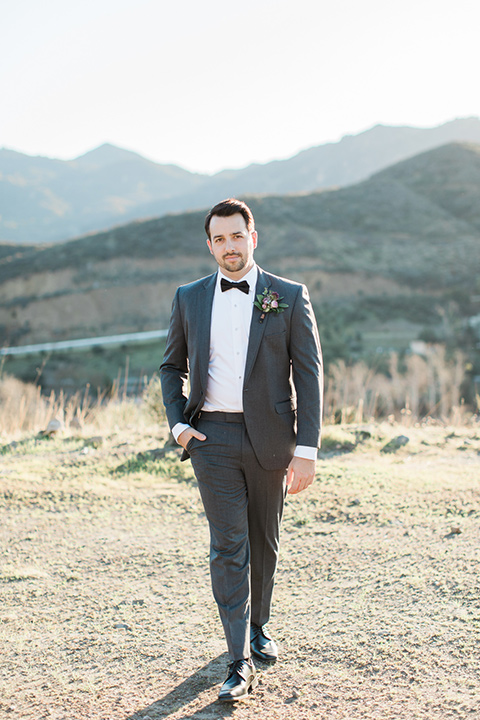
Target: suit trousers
x=244 y=504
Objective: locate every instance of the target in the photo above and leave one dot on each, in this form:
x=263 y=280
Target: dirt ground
x=106 y=610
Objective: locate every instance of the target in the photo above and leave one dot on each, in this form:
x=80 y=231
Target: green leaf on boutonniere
x=270 y=302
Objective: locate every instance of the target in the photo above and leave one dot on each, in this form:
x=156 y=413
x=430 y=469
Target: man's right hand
x=185 y=436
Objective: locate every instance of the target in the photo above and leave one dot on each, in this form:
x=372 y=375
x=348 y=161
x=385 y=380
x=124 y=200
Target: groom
x=250 y=422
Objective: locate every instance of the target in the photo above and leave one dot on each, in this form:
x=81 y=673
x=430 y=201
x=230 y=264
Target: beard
x=233 y=265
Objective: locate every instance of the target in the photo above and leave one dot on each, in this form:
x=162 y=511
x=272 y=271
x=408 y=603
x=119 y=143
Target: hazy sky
x=210 y=84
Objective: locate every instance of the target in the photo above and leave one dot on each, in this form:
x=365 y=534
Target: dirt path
x=106 y=611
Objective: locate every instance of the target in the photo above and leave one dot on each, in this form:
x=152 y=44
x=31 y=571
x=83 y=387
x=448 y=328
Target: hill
x=48 y=200
x=388 y=260
x=52 y=200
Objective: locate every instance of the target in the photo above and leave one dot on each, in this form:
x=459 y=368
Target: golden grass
x=428 y=387
x=425 y=389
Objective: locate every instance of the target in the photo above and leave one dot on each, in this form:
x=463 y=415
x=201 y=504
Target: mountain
x=106 y=155
x=397 y=253
x=352 y=159
x=48 y=200
x=51 y=200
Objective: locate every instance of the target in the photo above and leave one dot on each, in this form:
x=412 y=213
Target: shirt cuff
x=306 y=452
x=178 y=429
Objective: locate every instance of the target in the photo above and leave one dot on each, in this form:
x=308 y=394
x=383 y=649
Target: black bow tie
x=227 y=285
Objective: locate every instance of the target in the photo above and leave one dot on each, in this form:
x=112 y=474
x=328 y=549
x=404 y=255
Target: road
x=85 y=343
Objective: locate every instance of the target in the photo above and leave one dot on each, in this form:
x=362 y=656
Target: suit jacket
x=283 y=380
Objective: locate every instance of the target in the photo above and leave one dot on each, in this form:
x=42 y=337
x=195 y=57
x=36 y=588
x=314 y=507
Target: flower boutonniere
x=269 y=302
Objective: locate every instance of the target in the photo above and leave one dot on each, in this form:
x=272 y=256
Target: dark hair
x=229 y=207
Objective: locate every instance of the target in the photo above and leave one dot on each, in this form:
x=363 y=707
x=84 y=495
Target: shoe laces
x=236 y=667
x=259 y=630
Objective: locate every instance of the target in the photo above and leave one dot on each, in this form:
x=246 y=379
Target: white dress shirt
x=229 y=334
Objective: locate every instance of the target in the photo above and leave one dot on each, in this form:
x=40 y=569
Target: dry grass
x=427 y=387
x=23 y=408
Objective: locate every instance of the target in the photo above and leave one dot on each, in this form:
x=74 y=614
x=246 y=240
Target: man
x=248 y=342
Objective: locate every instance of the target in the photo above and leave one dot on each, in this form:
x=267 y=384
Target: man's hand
x=185 y=436
x=300 y=474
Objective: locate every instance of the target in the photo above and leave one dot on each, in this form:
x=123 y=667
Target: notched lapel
x=204 y=316
x=257 y=328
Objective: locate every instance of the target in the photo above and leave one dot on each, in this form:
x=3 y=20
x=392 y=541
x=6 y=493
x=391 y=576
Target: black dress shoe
x=241 y=680
x=262 y=645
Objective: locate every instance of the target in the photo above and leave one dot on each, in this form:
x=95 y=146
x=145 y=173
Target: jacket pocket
x=285 y=406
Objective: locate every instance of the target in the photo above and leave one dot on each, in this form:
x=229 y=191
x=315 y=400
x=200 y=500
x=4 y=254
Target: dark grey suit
x=241 y=467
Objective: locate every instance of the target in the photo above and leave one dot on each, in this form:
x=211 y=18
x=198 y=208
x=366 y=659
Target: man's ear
x=210 y=246
x=254 y=238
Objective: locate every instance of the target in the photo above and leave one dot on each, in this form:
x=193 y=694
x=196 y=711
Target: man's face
x=232 y=245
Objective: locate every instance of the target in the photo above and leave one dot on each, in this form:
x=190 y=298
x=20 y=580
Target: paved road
x=85 y=343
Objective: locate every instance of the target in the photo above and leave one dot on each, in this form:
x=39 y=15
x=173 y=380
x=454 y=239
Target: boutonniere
x=269 y=302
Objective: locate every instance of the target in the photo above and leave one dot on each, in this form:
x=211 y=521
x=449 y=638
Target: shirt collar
x=250 y=277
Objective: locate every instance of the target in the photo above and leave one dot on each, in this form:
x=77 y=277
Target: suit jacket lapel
x=203 y=324
x=257 y=328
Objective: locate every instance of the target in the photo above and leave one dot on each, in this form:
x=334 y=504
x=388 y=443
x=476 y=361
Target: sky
x=212 y=85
